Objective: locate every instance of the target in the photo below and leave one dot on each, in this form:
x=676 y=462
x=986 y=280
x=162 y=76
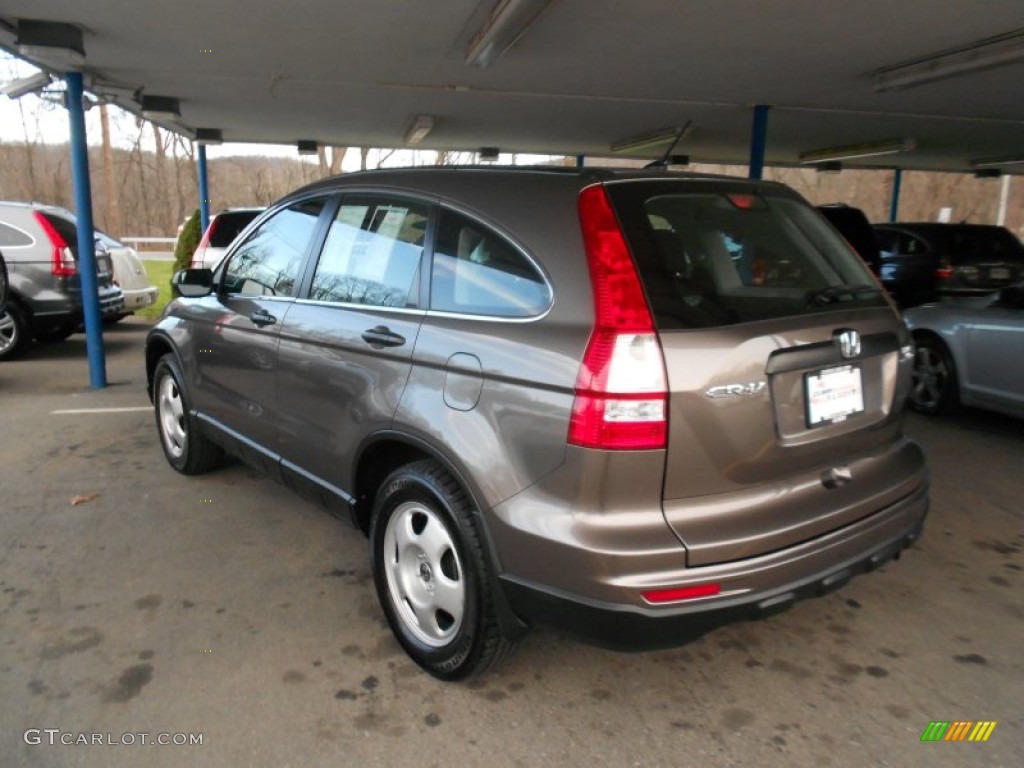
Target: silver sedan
x=969 y=351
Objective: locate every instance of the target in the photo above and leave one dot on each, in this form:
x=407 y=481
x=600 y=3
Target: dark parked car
x=40 y=244
x=852 y=223
x=970 y=351
x=627 y=403
x=922 y=262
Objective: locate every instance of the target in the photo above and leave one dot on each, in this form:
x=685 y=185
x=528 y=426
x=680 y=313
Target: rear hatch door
x=783 y=363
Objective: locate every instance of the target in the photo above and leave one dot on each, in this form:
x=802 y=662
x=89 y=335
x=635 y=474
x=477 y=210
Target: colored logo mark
x=958 y=730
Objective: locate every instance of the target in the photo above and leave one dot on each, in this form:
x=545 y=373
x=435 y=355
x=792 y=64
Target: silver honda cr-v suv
x=40 y=244
x=632 y=404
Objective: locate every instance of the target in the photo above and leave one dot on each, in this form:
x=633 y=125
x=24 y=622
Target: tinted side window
x=268 y=263
x=478 y=272
x=13 y=237
x=887 y=242
x=372 y=252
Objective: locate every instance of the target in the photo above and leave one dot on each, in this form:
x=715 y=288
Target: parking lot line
x=71 y=411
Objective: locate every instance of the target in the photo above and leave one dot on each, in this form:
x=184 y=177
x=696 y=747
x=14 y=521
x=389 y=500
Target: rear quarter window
x=10 y=237
x=478 y=272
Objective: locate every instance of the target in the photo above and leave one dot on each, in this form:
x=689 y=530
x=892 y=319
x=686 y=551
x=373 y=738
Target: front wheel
x=187 y=449
x=431 y=573
x=934 y=388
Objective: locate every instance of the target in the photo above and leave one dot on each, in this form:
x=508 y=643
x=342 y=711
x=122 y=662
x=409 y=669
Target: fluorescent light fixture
x=418 y=130
x=160 y=108
x=997 y=162
x=307 y=147
x=51 y=42
x=209 y=136
x=854 y=151
x=983 y=54
x=503 y=28
x=26 y=85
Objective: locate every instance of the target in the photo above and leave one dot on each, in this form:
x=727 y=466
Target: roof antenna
x=663 y=161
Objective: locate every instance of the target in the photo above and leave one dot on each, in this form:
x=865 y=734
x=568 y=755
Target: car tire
x=15 y=335
x=3 y=283
x=187 y=449
x=431 y=573
x=934 y=389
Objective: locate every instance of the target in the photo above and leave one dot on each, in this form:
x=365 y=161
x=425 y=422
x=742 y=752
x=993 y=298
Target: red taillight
x=197 y=259
x=943 y=272
x=621 y=394
x=62 y=259
x=681 y=593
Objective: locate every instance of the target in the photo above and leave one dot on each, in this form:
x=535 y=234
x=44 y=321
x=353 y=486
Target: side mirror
x=193 y=283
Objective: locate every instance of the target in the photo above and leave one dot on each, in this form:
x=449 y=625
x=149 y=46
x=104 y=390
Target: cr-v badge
x=728 y=390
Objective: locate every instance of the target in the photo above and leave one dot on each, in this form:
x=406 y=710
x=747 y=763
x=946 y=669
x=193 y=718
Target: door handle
x=381 y=336
x=261 y=317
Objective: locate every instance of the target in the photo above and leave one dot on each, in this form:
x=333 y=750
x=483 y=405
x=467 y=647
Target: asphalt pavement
x=225 y=610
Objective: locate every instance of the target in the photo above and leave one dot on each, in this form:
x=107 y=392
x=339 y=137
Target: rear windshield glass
x=966 y=243
x=229 y=225
x=66 y=229
x=713 y=253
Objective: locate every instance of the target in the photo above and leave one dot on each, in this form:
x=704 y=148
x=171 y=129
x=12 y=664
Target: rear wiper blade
x=832 y=293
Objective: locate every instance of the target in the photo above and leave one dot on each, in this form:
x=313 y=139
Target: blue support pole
x=204 y=188
x=86 y=241
x=897 y=182
x=579 y=161
x=758 y=141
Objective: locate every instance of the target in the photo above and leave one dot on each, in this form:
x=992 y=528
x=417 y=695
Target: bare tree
x=111 y=201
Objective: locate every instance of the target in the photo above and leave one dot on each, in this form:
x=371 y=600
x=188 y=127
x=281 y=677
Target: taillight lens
x=197 y=258
x=944 y=271
x=621 y=393
x=62 y=258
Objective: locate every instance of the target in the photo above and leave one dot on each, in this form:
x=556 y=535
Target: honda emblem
x=849 y=343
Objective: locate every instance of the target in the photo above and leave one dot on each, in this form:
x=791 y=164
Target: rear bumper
x=751 y=589
x=139 y=298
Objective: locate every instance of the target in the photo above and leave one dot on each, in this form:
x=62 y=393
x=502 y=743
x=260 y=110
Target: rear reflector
x=621 y=392
x=681 y=593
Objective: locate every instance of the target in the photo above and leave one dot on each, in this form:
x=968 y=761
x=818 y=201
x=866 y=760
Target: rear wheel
x=934 y=388
x=431 y=574
x=187 y=449
x=15 y=336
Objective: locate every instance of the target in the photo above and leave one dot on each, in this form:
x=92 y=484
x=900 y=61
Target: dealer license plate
x=833 y=395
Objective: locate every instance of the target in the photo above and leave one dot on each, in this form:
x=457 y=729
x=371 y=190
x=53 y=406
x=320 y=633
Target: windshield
x=730 y=253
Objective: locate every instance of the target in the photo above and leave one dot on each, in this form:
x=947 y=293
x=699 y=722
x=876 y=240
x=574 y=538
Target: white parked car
x=129 y=273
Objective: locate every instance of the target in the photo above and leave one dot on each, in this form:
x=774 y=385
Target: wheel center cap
x=425 y=572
